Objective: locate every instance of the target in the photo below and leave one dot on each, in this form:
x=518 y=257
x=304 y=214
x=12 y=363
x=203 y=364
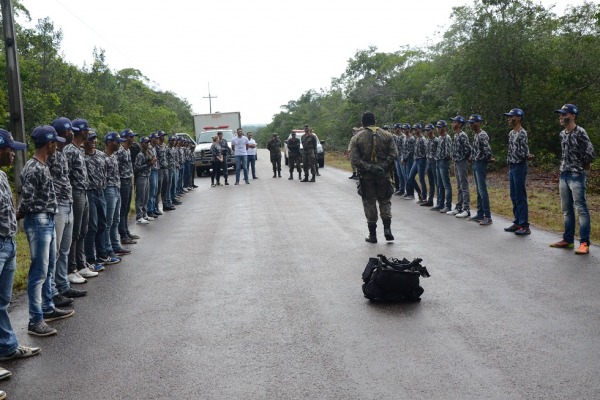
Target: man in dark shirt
x=294 y=156
x=309 y=153
x=126 y=177
x=274 y=147
x=39 y=206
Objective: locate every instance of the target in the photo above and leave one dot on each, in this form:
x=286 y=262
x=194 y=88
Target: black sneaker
x=40 y=329
x=524 y=230
x=58 y=314
x=73 y=293
x=61 y=301
x=512 y=228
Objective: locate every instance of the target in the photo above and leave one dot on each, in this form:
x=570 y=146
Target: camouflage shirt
x=364 y=156
x=37 y=189
x=171 y=158
x=77 y=169
x=518 y=149
x=142 y=164
x=408 y=149
x=274 y=146
x=444 y=149
x=112 y=170
x=125 y=166
x=462 y=147
x=8 y=220
x=152 y=152
x=96 y=166
x=577 y=150
x=59 y=169
x=420 y=147
x=293 y=146
x=161 y=155
x=309 y=143
x=399 y=141
x=481 y=147
x=432 y=145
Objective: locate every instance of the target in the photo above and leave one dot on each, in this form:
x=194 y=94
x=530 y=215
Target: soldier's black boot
x=279 y=173
x=387 y=229
x=299 y=175
x=372 y=238
x=305 y=179
x=291 y=178
x=274 y=173
x=312 y=179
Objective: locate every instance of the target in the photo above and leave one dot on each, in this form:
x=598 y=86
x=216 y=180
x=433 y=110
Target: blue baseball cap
x=79 y=125
x=416 y=127
x=441 y=124
x=515 y=112
x=428 y=127
x=568 y=109
x=61 y=125
x=405 y=126
x=6 y=140
x=459 y=118
x=398 y=125
x=92 y=135
x=475 y=118
x=113 y=136
x=127 y=133
x=45 y=134
x=145 y=139
x=161 y=133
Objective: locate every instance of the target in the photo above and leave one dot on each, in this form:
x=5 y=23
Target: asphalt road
x=254 y=292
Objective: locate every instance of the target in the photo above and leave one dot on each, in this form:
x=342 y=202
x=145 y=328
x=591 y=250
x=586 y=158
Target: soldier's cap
x=128 y=133
x=61 y=125
x=79 y=125
x=428 y=127
x=172 y=138
x=441 y=124
x=114 y=137
x=274 y=134
x=515 y=112
x=568 y=109
x=293 y=133
x=145 y=139
x=398 y=125
x=459 y=118
x=475 y=118
x=405 y=126
x=153 y=135
x=416 y=127
x=305 y=126
x=92 y=135
x=386 y=127
x=161 y=133
x=6 y=140
x=45 y=134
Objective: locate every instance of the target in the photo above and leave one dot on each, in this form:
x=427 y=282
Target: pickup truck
x=204 y=141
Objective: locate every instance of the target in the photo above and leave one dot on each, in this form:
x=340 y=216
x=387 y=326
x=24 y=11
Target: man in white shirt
x=239 y=145
x=252 y=154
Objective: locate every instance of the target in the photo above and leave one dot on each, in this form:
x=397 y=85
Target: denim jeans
x=517 y=175
x=461 y=172
x=126 y=193
x=164 y=183
x=39 y=228
x=411 y=184
x=432 y=178
x=95 y=242
x=141 y=196
x=80 y=226
x=63 y=228
x=572 y=196
x=401 y=180
x=8 y=264
x=180 y=180
x=252 y=164
x=443 y=167
x=483 y=200
x=241 y=162
x=406 y=167
x=112 y=194
x=186 y=175
x=152 y=191
x=173 y=188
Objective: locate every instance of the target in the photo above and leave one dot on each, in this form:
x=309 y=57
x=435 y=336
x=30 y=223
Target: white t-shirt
x=251 y=150
x=240 y=145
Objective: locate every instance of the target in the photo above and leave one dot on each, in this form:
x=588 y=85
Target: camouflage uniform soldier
x=374 y=155
x=309 y=150
x=295 y=158
x=274 y=147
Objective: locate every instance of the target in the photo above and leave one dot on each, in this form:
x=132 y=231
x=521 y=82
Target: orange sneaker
x=584 y=248
x=562 y=245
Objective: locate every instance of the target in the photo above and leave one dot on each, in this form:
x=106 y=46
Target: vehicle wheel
x=287 y=161
x=198 y=172
x=322 y=162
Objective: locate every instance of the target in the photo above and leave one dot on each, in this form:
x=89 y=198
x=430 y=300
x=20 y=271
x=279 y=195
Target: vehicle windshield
x=206 y=137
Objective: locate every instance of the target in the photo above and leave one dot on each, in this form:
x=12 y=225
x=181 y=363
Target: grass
x=542 y=193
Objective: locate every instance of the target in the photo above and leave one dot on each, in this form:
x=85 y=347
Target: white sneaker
x=142 y=221
x=87 y=273
x=464 y=214
x=452 y=212
x=149 y=218
x=74 y=277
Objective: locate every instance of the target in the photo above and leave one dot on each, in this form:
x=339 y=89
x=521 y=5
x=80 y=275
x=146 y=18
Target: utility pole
x=17 y=122
x=209 y=99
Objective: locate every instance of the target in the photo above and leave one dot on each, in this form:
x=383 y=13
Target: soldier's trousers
x=295 y=160
x=164 y=183
x=308 y=159
x=276 y=162
x=461 y=169
x=377 y=191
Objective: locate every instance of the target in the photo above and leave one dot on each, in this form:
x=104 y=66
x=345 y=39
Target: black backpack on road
x=392 y=279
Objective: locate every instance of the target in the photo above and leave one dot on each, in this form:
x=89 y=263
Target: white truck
x=207 y=126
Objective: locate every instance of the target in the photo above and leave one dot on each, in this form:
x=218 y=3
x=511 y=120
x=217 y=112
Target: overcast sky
x=257 y=55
